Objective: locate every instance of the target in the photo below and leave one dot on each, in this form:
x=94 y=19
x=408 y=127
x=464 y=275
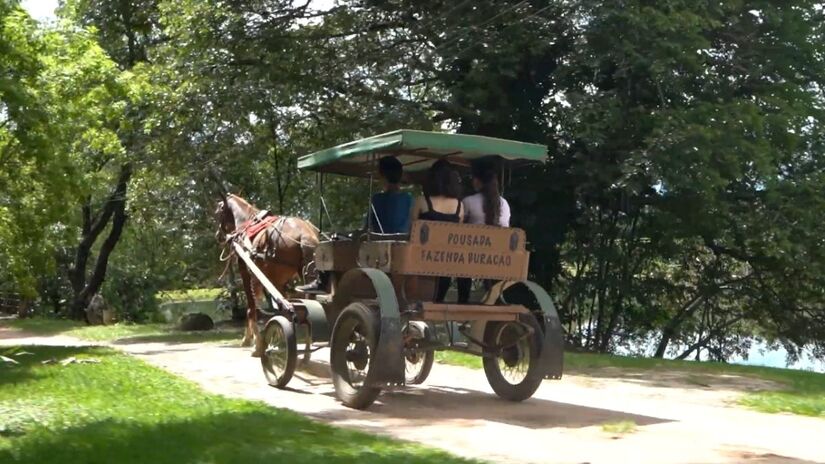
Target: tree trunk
x=114 y=211
x=673 y=325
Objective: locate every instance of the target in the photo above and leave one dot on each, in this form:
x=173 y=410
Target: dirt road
x=679 y=420
x=455 y=410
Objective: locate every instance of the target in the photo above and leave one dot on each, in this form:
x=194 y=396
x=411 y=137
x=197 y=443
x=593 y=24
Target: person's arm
x=369 y=213
x=460 y=212
x=504 y=215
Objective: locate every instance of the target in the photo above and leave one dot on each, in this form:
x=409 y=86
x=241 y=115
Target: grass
x=802 y=392
x=619 y=428
x=189 y=295
x=122 y=332
x=121 y=410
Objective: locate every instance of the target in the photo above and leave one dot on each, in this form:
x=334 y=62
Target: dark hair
x=485 y=172
x=442 y=180
x=391 y=169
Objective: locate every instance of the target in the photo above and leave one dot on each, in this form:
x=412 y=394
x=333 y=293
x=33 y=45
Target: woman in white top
x=486 y=206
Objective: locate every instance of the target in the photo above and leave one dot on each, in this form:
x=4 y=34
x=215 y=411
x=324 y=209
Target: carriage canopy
x=417 y=151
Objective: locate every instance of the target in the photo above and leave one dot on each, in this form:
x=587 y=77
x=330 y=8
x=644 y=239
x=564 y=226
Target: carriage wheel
x=417 y=366
x=280 y=351
x=354 y=339
x=515 y=373
x=417 y=363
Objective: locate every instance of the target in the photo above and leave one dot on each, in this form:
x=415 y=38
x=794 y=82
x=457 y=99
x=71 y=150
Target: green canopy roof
x=417 y=150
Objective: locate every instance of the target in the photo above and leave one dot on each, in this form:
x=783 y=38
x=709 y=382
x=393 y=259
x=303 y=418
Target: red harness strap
x=254 y=229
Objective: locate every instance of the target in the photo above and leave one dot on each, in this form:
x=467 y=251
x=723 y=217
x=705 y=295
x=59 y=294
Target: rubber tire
x=358 y=313
x=534 y=377
x=292 y=351
x=421 y=377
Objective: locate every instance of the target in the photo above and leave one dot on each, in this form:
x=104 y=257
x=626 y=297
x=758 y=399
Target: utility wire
x=469 y=29
x=534 y=14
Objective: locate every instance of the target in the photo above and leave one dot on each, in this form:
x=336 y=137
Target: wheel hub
x=358 y=355
x=511 y=356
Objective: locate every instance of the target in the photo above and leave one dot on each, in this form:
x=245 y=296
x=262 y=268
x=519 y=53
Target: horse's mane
x=243 y=203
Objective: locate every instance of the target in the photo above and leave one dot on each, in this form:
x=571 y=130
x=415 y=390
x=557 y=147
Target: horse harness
x=260 y=222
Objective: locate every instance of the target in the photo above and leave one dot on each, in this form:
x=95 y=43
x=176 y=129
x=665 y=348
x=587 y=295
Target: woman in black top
x=440 y=202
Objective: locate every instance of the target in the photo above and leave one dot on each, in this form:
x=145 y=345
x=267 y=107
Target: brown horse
x=282 y=250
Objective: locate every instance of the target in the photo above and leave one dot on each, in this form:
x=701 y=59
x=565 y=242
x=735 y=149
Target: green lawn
x=189 y=295
x=121 y=410
x=122 y=333
x=803 y=392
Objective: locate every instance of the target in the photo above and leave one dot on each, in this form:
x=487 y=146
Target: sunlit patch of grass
x=619 y=428
x=122 y=410
x=458 y=359
x=39 y=326
x=189 y=295
x=123 y=332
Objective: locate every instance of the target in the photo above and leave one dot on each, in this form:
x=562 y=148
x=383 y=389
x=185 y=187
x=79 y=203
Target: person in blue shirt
x=391 y=208
x=389 y=213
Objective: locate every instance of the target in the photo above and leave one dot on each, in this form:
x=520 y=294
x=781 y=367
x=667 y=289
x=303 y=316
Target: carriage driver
x=390 y=211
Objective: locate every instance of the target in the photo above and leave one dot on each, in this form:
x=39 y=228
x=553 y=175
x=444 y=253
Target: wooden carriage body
x=380 y=307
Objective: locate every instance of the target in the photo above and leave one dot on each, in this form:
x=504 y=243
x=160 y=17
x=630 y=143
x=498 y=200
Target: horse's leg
x=251 y=308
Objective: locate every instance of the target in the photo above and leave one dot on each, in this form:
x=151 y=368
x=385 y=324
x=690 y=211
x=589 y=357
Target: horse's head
x=231 y=212
x=226 y=220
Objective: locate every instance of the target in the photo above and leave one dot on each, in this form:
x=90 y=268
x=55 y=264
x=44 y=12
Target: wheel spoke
x=358 y=358
x=514 y=361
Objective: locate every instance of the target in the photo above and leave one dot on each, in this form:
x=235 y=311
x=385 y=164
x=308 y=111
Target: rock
x=195 y=321
x=94 y=312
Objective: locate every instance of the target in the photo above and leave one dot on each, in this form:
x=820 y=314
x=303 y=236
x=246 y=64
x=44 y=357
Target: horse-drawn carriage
x=379 y=316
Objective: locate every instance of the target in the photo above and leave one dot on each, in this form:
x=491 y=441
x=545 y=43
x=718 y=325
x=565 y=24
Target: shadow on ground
x=423 y=405
x=248 y=437
x=173 y=337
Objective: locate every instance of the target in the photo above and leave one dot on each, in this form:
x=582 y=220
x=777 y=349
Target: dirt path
x=679 y=420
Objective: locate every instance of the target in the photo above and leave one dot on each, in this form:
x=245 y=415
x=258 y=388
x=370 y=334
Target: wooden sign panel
x=462 y=250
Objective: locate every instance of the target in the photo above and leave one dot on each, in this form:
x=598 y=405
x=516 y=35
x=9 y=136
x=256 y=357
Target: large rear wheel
x=280 y=351
x=352 y=354
x=514 y=374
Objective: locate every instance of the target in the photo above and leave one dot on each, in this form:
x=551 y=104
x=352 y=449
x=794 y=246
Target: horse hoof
x=246 y=342
x=256 y=354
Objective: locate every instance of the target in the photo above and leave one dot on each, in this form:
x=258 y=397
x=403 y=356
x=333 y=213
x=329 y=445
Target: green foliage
x=117 y=405
x=681 y=202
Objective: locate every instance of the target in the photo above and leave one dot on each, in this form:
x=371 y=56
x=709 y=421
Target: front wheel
x=353 y=344
x=514 y=374
x=417 y=366
x=280 y=351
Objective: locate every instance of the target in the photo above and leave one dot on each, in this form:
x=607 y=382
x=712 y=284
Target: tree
x=33 y=178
